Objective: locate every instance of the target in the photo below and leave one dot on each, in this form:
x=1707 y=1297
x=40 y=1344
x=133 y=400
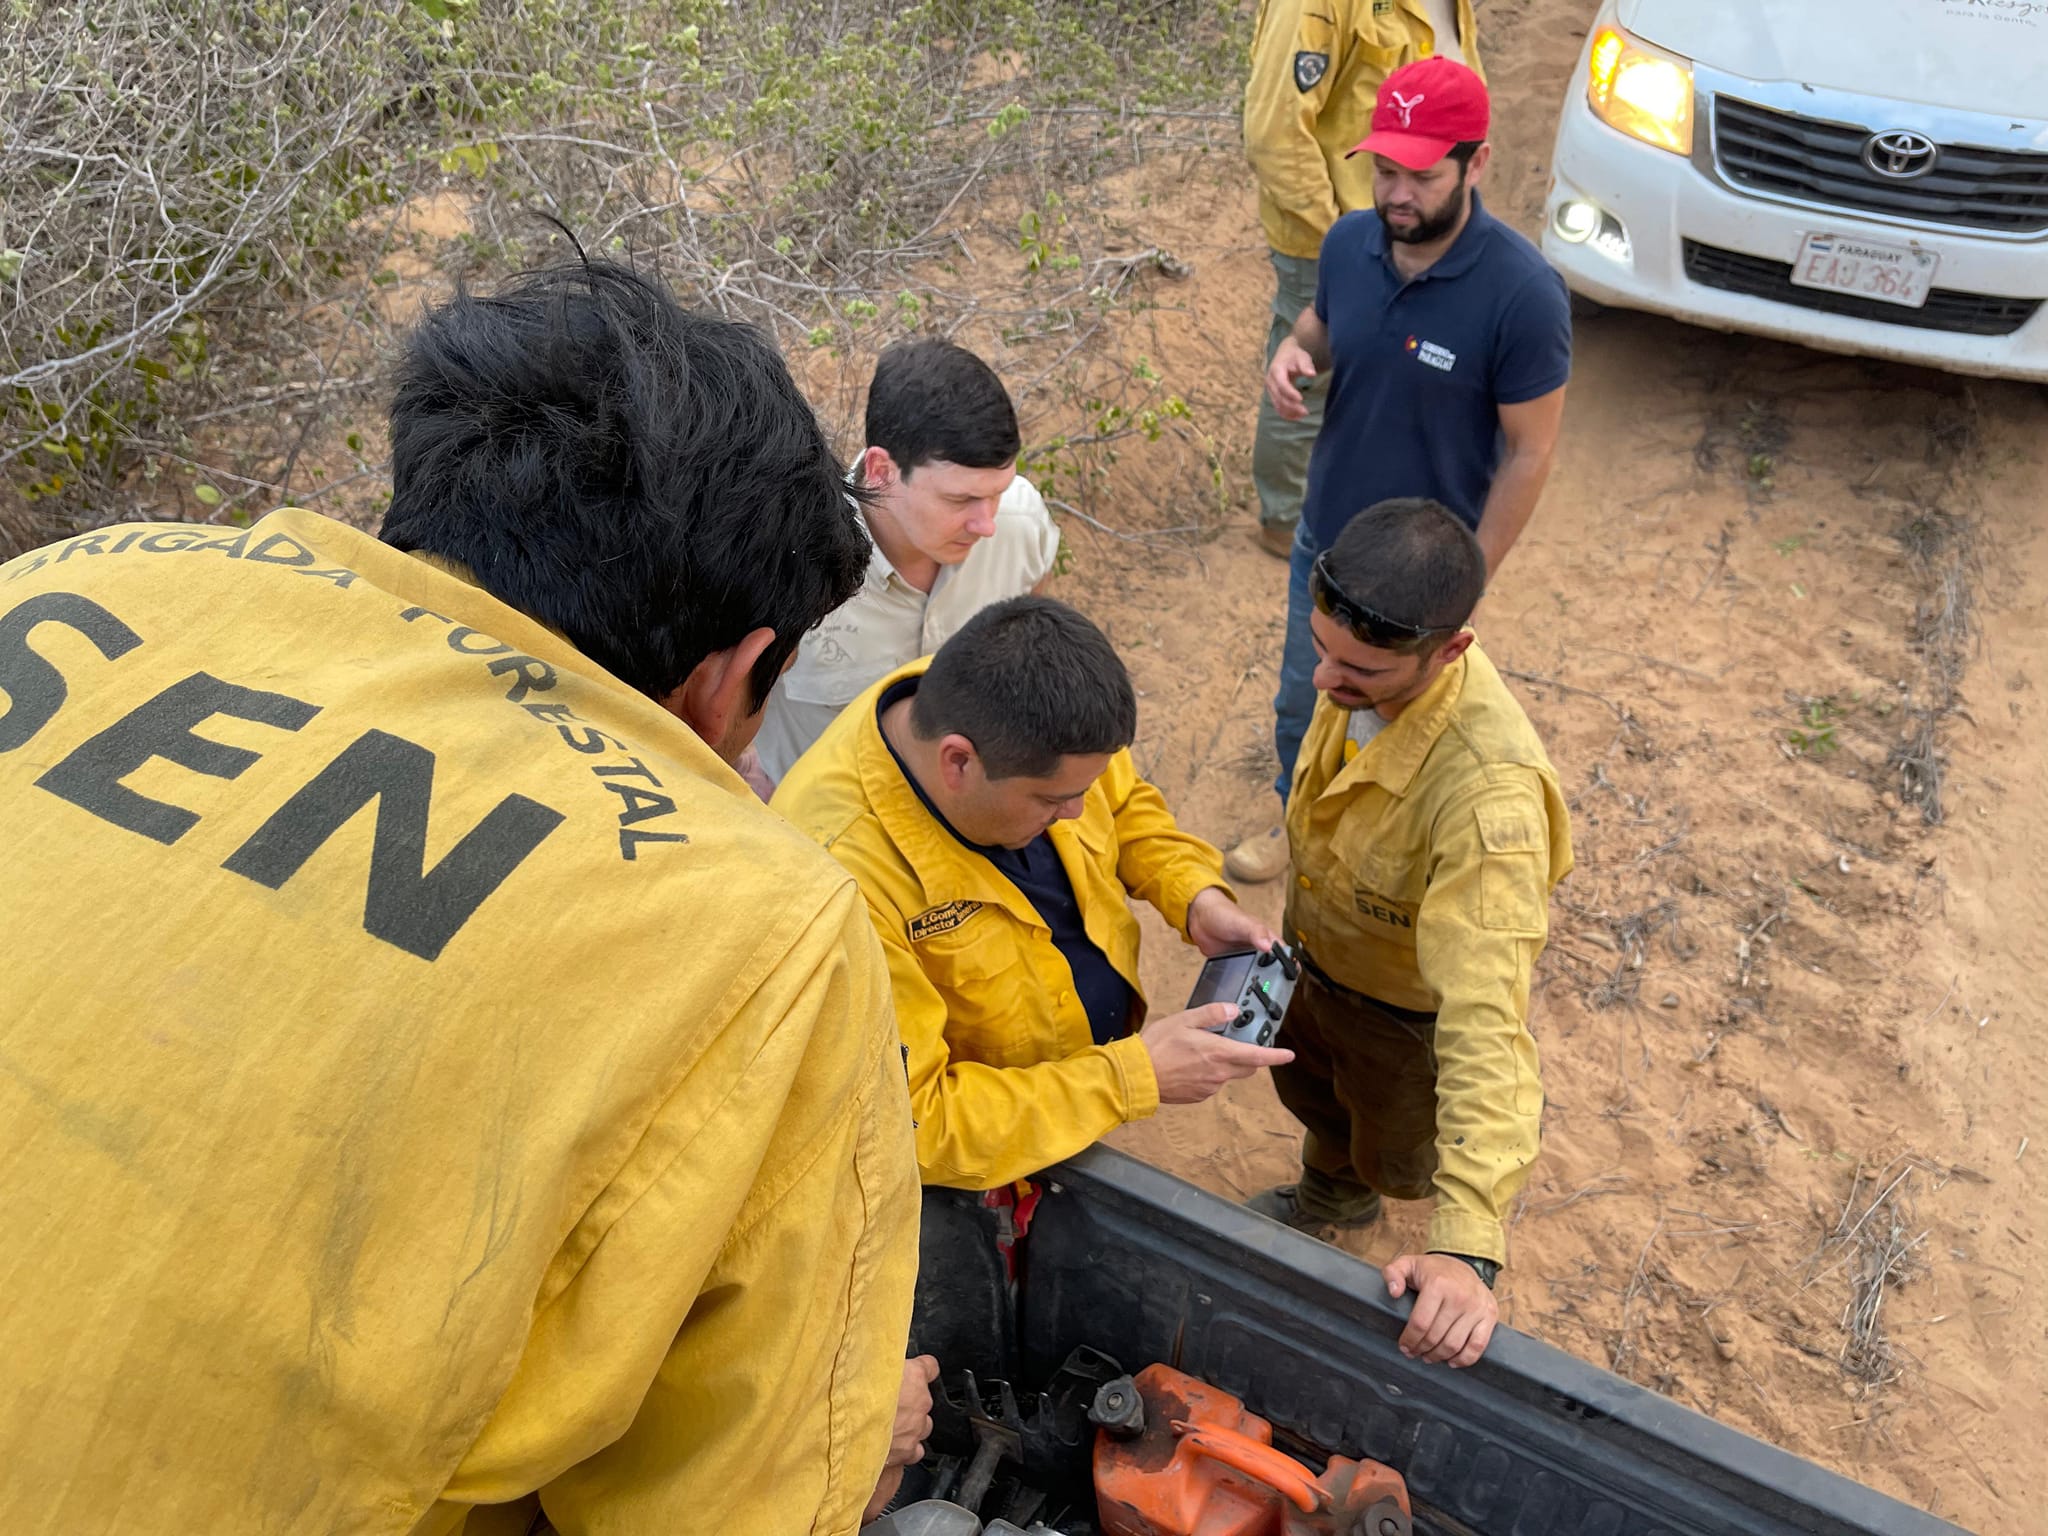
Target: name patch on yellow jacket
x=1383 y=909
x=944 y=918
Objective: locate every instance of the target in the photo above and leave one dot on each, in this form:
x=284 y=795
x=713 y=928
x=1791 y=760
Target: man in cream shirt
x=955 y=528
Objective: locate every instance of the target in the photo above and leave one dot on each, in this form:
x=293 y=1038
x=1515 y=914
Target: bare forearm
x=1313 y=337
x=1517 y=487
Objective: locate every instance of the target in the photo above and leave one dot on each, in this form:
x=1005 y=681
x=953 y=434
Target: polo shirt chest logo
x=1440 y=358
x=944 y=918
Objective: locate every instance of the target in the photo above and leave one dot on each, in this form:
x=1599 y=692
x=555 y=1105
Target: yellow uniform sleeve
x=1482 y=923
x=723 y=1349
x=982 y=1126
x=1292 y=41
x=1156 y=861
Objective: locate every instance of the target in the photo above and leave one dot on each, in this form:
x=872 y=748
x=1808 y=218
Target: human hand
x=1290 y=362
x=913 y=1411
x=1217 y=925
x=1191 y=1061
x=885 y=1490
x=1454 y=1314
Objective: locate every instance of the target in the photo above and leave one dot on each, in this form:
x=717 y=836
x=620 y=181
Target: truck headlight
x=1639 y=90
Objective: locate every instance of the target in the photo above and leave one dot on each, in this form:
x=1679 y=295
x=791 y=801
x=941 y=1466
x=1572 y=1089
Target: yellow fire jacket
x=426 y=1074
x=1316 y=69
x=1005 y=1075
x=1423 y=870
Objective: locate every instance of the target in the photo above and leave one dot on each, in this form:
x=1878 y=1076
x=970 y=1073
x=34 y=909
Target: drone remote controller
x=1259 y=983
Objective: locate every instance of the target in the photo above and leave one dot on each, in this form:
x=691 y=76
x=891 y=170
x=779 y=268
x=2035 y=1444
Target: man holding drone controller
x=1426 y=832
x=985 y=802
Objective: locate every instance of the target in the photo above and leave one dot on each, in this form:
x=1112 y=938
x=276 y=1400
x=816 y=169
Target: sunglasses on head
x=1374 y=628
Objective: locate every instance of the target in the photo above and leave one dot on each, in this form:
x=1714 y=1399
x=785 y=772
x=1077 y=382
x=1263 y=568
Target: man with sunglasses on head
x=1446 y=341
x=1427 y=831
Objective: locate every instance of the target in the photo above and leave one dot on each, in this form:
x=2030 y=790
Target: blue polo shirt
x=1421 y=367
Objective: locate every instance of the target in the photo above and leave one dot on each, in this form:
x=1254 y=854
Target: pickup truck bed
x=1128 y=1261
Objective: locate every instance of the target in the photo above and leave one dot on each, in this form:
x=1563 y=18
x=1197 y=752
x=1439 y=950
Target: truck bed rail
x=1530 y=1442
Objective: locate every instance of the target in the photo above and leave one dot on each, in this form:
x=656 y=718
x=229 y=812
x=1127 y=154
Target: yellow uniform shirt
x=1005 y=1075
x=1423 y=867
x=426 y=1074
x=1316 y=68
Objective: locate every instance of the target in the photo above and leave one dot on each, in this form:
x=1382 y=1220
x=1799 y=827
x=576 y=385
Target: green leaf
x=207 y=495
x=473 y=159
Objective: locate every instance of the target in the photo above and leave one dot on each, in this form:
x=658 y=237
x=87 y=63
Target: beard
x=1430 y=224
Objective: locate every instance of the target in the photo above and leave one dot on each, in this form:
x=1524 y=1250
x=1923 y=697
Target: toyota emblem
x=1900 y=154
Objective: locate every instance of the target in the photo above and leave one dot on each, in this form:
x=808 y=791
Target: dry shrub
x=201 y=196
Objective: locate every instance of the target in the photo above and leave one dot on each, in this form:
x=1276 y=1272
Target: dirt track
x=1773 y=992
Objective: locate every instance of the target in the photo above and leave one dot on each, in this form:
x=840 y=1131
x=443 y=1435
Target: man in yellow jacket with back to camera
x=428 y=1076
x=1427 y=831
x=985 y=801
x=1316 y=66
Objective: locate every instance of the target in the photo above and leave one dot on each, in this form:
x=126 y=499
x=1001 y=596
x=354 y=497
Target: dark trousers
x=1363 y=1085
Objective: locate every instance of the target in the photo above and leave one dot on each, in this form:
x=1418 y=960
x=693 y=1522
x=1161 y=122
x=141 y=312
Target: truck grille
x=1969 y=314
x=1822 y=162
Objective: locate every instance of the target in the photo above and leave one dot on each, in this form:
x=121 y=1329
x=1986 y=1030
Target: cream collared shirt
x=889 y=623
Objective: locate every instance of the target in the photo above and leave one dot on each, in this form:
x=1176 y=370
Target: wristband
x=1486 y=1269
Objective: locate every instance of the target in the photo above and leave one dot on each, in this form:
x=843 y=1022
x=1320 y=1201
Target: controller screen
x=1223 y=979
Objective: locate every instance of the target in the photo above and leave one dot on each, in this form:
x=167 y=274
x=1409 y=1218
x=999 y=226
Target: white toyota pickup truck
x=1866 y=176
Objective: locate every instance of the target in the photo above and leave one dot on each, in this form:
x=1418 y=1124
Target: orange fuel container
x=1204 y=1465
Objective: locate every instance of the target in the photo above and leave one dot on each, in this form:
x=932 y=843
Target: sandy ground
x=1789 y=1042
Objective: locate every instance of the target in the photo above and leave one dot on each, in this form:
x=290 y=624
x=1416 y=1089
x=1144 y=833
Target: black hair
x=1028 y=681
x=1413 y=561
x=645 y=480
x=931 y=400
x=1464 y=151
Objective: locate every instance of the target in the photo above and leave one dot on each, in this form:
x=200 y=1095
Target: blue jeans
x=1296 y=699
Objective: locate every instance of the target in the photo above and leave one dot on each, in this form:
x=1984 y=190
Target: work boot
x=1277 y=539
x=1283 y=1203
x=1260 y=857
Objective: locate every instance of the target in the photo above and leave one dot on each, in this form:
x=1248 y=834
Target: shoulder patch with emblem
x=1309 y=68
x=941 y=919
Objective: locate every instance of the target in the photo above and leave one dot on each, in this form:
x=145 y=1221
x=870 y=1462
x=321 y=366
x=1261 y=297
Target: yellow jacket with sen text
x=1316 y=68
x=1005 y=1075
x=1423 y=865
x=427 y=1075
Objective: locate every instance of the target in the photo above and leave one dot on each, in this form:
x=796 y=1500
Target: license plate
x=1890 y=274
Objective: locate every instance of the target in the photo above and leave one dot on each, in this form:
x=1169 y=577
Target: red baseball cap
x=1424 y=109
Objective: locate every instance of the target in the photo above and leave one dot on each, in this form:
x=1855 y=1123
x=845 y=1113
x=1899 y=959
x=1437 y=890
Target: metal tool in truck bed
x=1125 y=1266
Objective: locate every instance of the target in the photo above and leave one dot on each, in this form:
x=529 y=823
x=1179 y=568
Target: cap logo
x=1406 y=105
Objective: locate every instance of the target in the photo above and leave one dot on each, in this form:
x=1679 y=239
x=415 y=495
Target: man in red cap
x=1307 y=101
x=1445 y=341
